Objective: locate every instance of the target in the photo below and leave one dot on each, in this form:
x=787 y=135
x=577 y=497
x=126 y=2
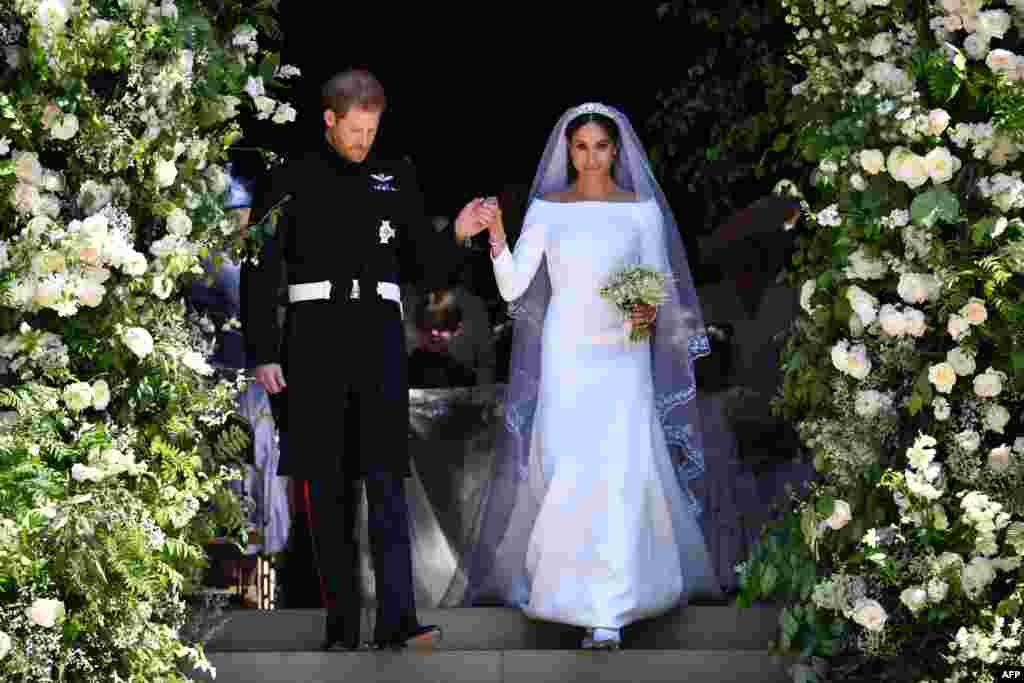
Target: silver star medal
x=386 y=232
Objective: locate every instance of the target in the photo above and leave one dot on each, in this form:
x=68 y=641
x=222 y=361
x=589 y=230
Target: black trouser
x=334 y=503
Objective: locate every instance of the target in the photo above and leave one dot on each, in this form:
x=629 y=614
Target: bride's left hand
x=644 y=315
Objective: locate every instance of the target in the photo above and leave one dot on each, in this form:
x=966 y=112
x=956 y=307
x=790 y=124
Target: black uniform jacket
x=344 y=221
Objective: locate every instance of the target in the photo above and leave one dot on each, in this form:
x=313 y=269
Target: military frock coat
x=341 y=221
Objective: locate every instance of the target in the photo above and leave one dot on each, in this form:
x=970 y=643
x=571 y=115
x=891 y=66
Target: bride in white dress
x=601 y=530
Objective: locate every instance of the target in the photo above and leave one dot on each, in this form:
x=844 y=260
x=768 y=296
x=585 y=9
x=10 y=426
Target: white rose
x=78 y=396
x=194 y=361
x=989 y=384
x=45 y=612
x=881 y=44
x=5 y=644
x=996 y=418
x=869 y=614
x=892 y=321
x=968 y=441
x=100 y=394
x=974 y=311
x=80 y=472
x=178 y=222
x=806 y=292
x=841 y=515
x=915 y=322
x=27 y=167
x=858 y=183
x=938 y=121
x=264 y=107
x=138 y=341
x=90 y=292
x=135 y=264
x=915 y=598
x=999 y=459
x=943 y=376
x=942 y=409
x=958 y=327
x=872 y=160
x=863 y=266
x=915 y=288
x=66 y=128
x=937 y=590
x=165 y=173
x=962 y=361
x=865 y=305
x=906 y=167
x=977 y=576
x=941 y=165
x=870 y=403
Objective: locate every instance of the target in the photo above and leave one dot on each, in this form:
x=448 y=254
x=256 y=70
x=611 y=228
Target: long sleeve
x=434 y=257
x=260 y=283
x=515 y=271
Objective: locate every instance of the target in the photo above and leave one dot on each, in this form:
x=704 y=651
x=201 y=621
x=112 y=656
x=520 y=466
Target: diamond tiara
x=592 y=108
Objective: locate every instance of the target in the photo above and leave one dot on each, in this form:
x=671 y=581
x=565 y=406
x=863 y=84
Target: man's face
x=352 y=134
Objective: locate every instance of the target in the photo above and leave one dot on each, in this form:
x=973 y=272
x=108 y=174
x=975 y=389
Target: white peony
x=989 y=384
x=78 y=396
x=996 y=418
x=915 y=598
x=999 y=459
x=962 y=361
x=90 y=293
x=858 y=183
x=45 y=612
x=135 y=264
x=941 y=165
x=943 y=376
x=254 y=87
x=841 y=515
x=138 y=340
x=100 y=394
x=869 y=614
x=872 y=161
x=852 y=361
x=165 y=173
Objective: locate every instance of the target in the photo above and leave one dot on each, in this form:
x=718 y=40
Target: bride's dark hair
x=609 y=126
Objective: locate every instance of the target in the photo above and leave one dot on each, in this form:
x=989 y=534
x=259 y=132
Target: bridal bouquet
x=633 y=286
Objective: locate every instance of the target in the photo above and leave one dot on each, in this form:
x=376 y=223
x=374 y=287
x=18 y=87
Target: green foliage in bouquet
x=904 y=372
x=116 y=436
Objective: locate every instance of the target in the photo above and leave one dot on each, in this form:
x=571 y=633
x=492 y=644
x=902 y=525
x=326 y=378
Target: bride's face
x=592 y=150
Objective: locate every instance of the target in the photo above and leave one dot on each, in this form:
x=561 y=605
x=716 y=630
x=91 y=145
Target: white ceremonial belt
x=312 y=291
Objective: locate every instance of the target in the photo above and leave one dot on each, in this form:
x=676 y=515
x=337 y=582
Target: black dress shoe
x=341 y=646
x=419 y=637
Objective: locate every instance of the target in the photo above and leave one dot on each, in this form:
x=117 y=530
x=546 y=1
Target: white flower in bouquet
x=962 y=361
x=977 y=576
x=941 y=408
x=870 y=403
x=264 y=107
x=66 y=128
x=937 y=590
x=870 y=614
x=178 y=222
x=829 y=216
x=90 y=293
x=93 y=196
x=5 y=644
x=862 y=266
x=162 y=287
x=52 y=15
x=138 y=340
x=922 y=453
x=892 y=321
x=890 y=78
x=969 y=441
x=27 y=168
x=915 y=598
x=916 y=324
x=806 y=292
x=165 y=173
x=938 y=121
x=100 y=394
x=989 y=384
x=284 y=113
x=193 y=360
x=999 y=459
x=135 y=264
x=917 y=288
x=841 y=515
x=851 y=360
x=943 y=376
x=636 y=285
x=996 y=418
x=45 y=613
x=872 y=161
x=1001 y=61
x=941 y=165
x=958 y=327
x=977 y=46
x=919 y=485
x=114 y=462
x=78 y=396
x=974 y=311
x=906 y=167
x=80 y=472
x=994 y=23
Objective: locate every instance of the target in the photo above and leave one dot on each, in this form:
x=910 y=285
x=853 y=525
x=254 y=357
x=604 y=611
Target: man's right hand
x=271 y=377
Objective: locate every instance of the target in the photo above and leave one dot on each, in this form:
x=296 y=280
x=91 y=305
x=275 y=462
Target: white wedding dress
x=614 y=539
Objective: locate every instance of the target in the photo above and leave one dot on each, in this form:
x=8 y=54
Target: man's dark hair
x=353 y=88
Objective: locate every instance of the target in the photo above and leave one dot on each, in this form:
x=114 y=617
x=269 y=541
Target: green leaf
x=790 y=625
x=1017 y=359
x=924 y=209
x=781 y=142
x=769 y=577
x=825 y=505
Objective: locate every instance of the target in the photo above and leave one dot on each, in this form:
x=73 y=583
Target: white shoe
x=602 y=639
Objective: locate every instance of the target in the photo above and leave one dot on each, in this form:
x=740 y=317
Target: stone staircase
x=710 y=644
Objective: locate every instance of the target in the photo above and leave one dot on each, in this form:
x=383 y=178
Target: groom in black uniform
x=351 y=226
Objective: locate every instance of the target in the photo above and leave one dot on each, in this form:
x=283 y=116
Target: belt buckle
x=354 y=291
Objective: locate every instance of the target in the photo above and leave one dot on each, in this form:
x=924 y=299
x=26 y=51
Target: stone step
x=696 y=627
x=523 y=666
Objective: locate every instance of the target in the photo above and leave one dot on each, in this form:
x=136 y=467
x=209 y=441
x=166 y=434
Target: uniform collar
x=345 y=165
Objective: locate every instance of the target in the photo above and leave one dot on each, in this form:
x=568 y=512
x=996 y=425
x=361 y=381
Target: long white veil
x=678 y=340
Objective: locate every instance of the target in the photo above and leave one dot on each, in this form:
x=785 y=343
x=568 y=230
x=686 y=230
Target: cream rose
x=958 y=327
x=915 y=598
x=941 y=165
x=872 y=161
x=841 y=515
x=869 y=614
x=962 y=361
x=989 y=384
x=943 y=376
x=45 y=613
x=138 y=340
x=938 y=121
x=974 y=311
